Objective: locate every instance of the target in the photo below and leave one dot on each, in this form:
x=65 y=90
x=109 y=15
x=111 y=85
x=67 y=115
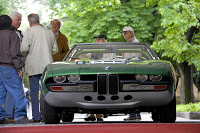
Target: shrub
x=191 y=107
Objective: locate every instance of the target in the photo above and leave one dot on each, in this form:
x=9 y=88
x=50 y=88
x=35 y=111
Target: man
x=129 y=36
x=9 y=104
x=37 y=46
x=62 y=41
x=99 y=39
x=11 y=73
x=16 y=22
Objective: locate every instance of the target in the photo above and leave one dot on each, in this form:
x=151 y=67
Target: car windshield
x=128 y=52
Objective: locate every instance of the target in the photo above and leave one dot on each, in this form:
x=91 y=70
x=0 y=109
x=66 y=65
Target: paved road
x=112 y=124
x=116 y=118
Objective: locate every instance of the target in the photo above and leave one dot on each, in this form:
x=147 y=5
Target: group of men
x=35 y=50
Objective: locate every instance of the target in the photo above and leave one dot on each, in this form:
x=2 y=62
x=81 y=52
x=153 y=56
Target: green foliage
x=178 y=16
x=191 y=107
x=6 y=6
x=3 y=10
x=85 y=19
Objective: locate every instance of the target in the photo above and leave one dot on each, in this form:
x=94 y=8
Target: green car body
x=109 y=78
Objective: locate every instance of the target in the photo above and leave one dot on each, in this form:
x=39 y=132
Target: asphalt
x=114 y=119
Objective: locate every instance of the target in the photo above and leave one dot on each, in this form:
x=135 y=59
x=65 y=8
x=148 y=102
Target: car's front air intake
x=107 y=82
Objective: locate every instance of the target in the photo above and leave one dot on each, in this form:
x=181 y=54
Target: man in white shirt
x=38 y=46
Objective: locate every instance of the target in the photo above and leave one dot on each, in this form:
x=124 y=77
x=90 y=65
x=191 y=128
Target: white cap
x=128 y=28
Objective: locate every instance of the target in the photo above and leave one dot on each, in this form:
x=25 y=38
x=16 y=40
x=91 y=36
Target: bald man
x=62 y=41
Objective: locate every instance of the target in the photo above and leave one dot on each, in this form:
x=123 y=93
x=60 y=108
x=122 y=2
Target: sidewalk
x=146 y=117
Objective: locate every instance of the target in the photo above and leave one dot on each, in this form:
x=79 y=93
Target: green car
x=108 y=78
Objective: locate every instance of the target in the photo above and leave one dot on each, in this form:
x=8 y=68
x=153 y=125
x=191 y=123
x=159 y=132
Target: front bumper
x=123 y=100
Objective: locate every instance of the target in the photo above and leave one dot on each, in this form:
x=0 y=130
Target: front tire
x=165 y=114
x=50 y=115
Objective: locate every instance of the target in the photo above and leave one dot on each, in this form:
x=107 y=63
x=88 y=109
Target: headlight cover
x=141 y=77
x=73 y=78
x=155 y=78
x=59 y=79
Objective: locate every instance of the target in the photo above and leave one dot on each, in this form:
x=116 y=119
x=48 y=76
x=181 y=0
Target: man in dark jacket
x=11 y=72
x=9 y=103
x=61 y=39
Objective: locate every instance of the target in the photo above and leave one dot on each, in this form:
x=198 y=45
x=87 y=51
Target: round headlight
x=59 y=79
x=141 y=77
x=155 y=78
x=73 y=78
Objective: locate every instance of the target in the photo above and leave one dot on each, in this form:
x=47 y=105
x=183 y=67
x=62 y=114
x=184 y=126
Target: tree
x=9 y=5
x=3 y=10
x=181 y=18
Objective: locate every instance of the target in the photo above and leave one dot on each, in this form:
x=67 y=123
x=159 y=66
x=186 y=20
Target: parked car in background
x=109 y=78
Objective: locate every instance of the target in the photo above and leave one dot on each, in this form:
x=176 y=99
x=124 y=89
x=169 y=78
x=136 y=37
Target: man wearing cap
x=99 y=39
x=129 y=36
x=102 y=38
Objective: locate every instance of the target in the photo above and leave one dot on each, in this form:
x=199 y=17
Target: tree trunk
x=182 y=89
x=186 y=72
x=187 y=93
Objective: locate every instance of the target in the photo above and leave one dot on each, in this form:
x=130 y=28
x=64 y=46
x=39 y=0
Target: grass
x=191 y=107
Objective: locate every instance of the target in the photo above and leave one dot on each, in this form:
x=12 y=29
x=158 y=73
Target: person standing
x=38 y=46
x=129 y=36
x=99 y=39
x=11 y=73
x=9 y=103
x=16 y=23
x=62 y=41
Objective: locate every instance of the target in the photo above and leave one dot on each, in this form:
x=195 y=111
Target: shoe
x=133 y=118
x=90 y=119
x=105 y=115
x=9 y=121
x=36 y=121
x=99 y=119
x=130 y=118
x=2 y=121
x=138 y=117
x=23 y=121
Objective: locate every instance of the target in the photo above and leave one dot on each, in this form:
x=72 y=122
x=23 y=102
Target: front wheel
x=165 y=114
x=50 y=115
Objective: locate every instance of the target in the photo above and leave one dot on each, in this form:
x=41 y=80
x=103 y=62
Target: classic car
x=108 y=78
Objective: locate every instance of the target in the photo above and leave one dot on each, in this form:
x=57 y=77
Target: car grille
x=108 y=84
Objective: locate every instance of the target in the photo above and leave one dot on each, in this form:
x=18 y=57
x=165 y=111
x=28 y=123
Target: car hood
x=148 y=67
